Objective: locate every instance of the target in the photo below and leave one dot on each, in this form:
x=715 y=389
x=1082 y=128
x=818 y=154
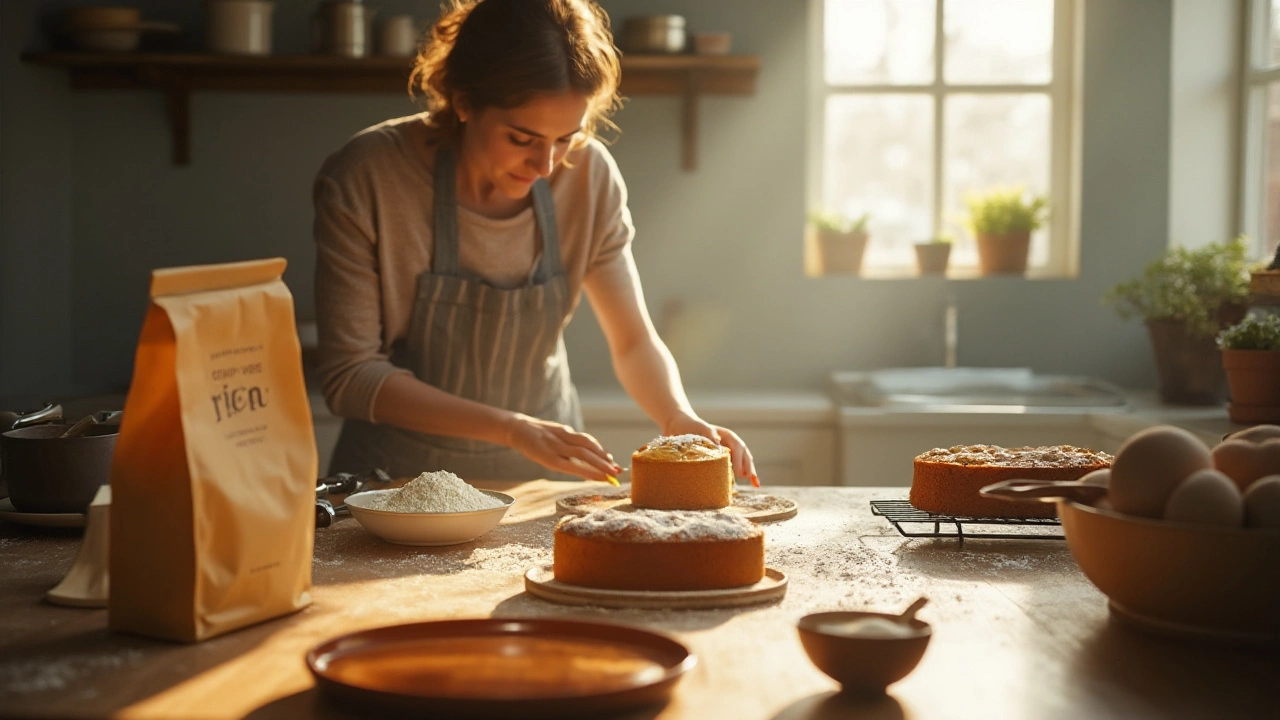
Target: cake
x=641 y=549
x=947 y=480
x=681 y=472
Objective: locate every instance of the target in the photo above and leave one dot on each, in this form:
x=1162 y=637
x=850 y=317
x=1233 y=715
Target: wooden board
x=540 y=582
x=755 y=506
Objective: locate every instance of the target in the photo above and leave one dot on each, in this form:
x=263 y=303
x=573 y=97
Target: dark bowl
x=861 y=664
x=49 y=474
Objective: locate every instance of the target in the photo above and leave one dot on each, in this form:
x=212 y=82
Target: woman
x=453 y=247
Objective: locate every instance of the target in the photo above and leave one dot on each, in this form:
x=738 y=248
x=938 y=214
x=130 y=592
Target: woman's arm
x=643 y=363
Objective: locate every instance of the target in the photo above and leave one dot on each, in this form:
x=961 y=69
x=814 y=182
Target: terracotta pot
x=1190 y=366
x=932 y=258
x=1254 y=379
x=841 y=252
x=1004 y=254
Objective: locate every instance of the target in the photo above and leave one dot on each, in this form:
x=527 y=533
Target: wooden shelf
x=178 y=75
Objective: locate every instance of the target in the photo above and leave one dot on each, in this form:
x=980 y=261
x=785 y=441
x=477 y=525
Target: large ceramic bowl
x=426 y=528
x=1186 y=579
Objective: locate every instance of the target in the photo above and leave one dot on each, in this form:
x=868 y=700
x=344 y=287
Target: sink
x=974 y=390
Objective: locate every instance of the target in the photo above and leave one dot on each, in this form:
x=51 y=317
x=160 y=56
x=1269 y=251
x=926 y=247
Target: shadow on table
x=837 y=706
x=524 y=605
x=1177 y=676
x=1000 y=560
x=312 y=703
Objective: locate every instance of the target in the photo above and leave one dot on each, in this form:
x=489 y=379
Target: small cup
x=712 y=43
x=862 y=664
x=398 y=36
x=50 y=474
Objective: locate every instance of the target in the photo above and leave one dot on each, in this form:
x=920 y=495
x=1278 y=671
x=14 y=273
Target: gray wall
x=89 y=203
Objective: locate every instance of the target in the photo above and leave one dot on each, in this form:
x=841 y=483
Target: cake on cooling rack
x=947 y=480
x=641 y=549
x=681 y=472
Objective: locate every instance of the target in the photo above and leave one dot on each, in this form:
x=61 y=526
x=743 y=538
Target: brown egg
x=1257 y=433
x=1206 y=497
x=1262 y=503
x=1098 y=477
x=1245 y=461
x=1150 y=464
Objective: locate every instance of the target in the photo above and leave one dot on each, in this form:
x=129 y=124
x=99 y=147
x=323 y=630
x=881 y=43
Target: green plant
x=1005 y=211
x=1187 y=285
x=1252 y=333
x=835 y=222
x=939 y=240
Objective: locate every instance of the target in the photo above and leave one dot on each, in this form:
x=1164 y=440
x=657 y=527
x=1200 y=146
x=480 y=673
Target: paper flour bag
x=213 y=478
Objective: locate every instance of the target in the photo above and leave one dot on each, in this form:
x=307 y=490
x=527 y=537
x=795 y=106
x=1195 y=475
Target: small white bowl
x=426 y=528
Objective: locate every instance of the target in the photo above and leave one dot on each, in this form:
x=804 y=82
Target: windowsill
x=961 y=273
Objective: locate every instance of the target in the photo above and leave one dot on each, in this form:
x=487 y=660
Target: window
x=921 y=103
x=1260 y=159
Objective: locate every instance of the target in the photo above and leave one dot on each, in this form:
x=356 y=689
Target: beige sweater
x=373 y=233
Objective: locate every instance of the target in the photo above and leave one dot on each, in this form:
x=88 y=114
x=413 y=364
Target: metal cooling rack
x=900 y=512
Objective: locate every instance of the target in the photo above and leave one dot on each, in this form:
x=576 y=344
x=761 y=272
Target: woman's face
x=509 y=148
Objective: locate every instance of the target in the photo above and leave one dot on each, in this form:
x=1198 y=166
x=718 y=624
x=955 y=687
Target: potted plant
x=1002 y=222
x=841 y=241
x=932 y=255
x=1251 y=357
x=1185 y=298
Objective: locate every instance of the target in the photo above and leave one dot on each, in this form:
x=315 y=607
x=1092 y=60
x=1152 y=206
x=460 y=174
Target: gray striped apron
x=500 y=347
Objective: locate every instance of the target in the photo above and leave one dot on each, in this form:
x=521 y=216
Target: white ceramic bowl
x=426 y=528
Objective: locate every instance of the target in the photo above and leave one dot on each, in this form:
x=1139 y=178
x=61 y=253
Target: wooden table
x=1018 y=631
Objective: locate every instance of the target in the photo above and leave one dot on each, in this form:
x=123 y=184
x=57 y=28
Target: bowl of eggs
x=865 y=651
x=1181 y=538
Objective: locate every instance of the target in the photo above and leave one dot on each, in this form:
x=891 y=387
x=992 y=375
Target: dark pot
x=49 y=474
x=1189 y=365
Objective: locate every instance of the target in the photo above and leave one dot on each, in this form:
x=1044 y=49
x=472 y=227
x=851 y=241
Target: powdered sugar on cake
x=681 y=447
x=434 y=492
x=1028 y=457
x=643 y=525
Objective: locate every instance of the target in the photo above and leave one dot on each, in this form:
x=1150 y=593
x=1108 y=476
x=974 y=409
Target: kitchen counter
x=1018 y=631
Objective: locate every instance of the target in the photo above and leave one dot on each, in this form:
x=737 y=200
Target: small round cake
x=642 y=549
x=681 y=472
x=947 y=480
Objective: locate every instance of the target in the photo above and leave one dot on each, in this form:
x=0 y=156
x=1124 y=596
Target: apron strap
x=444 y=256
x=544 y=210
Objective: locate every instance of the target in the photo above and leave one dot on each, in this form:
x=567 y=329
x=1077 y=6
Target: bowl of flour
x=435 y=508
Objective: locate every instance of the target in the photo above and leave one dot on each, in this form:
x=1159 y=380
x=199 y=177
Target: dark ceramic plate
x=494 y=667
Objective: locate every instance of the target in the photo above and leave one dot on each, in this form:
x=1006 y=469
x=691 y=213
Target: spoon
x=910 y=613
x=1044 y=491
x=81 y=427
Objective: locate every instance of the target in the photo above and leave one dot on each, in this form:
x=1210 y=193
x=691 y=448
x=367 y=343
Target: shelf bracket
x=689 y=120
x=176 y=88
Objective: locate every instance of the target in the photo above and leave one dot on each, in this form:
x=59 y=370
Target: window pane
x=1272 y=190
x=879 y=41
x=998 y=41
x=878 y=158
x=989 y=141
x=1274 y=32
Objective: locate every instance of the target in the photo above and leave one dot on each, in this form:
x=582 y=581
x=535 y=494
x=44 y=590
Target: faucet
x=949 y=334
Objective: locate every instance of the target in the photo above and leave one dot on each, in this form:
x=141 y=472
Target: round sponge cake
x=641 y=549
x=681 y=472
x=947 y=480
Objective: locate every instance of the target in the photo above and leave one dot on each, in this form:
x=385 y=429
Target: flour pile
x=435 y=492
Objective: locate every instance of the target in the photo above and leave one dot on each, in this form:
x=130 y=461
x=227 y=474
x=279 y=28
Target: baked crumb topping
x=681 y=447
x=1028 y=457
x=645 y=525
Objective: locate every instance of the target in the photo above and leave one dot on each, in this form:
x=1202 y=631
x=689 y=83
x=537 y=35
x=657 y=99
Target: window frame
x=1256 y=77
x=1064 y=93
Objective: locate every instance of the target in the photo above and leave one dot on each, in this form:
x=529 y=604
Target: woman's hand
x=743 y=464
x=561 y=448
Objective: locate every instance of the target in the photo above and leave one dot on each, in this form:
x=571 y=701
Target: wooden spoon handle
x=1043 y=491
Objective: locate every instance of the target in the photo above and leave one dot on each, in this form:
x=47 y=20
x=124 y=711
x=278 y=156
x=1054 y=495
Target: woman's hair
x=500 y=53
